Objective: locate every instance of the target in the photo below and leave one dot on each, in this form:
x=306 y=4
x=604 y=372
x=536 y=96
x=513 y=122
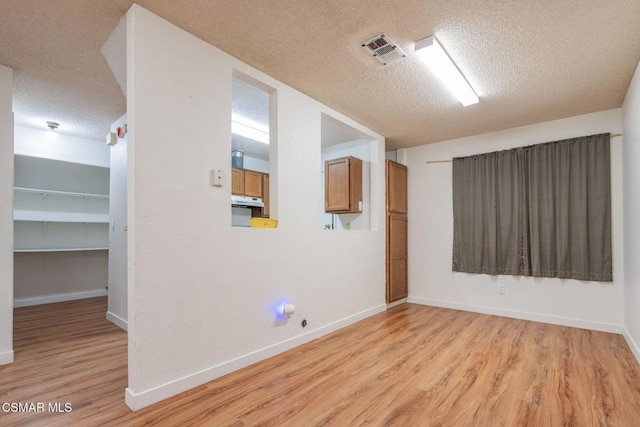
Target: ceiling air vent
x=384 y=49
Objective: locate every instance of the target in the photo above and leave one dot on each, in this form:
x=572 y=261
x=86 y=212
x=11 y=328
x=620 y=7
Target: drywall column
x=631 y=197
x=117 y=311
x=6 y=215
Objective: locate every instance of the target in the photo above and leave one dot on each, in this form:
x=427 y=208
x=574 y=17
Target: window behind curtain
x=542 y=210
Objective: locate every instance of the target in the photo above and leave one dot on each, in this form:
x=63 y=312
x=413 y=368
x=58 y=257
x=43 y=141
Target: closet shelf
x=59 y=193
x=49 y=216
x=59 y=206
x=48 y=159
x=60 y=250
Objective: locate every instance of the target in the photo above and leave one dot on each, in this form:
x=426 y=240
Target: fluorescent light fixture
x=249 y=129
x=432 y=54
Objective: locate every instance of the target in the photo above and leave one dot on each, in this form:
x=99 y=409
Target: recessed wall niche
x=253 y=148
x=346 y=158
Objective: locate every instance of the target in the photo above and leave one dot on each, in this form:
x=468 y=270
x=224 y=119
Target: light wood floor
x=410 y=366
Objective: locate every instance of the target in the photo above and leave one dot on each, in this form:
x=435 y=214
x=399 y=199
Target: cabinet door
x=252 y=183
x=396 y=187
x=237 y=181
x=264 y=211
x=265 y=195
x=397 y=259
x=343 y=185
x=336 y=177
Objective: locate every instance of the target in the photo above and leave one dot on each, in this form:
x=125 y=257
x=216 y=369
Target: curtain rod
x=613 y=135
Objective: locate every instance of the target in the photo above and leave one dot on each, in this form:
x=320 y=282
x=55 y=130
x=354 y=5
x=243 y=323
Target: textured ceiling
x=528 y=61
x=59 y=73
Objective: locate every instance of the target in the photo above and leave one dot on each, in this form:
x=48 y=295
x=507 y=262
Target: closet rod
x=613 y=135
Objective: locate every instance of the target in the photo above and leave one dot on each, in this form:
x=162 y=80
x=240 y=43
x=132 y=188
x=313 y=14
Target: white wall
x=567 y=302
x=46 y=277
x=631 y=167
x=391 y=155
x=57 y=146
x=202 y=293
x=117 y=306
x=6 y=215
x=114 y=51
x=255 y=164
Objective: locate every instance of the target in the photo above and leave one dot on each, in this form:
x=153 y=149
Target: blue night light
x=278 y=308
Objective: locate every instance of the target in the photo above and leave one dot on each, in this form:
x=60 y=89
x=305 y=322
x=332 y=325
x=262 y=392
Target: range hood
x=246 y=201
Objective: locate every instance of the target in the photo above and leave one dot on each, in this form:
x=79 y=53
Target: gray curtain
x=542 y=210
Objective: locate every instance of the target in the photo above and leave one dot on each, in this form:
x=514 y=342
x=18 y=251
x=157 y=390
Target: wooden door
x=237 y=181
x=397 y=257
x=397 y=226
x=396 y=187
x=252 y=183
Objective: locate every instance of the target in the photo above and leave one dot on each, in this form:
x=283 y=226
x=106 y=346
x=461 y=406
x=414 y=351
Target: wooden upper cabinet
x=237 y=181
x=343 y=185
x=396 y=187
x=252 y=183
x=246 y=182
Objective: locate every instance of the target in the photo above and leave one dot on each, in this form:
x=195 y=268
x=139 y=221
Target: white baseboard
x=535 y=317
x=6 y=357
x=48 y=299
x=395 y=303
x=635 y=349
x=138 y=400
x=119 y=321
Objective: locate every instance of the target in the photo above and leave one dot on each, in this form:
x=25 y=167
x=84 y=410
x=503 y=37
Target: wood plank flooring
x=410 y=366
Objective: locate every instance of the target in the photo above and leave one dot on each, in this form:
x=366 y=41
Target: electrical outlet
x=501 y=288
